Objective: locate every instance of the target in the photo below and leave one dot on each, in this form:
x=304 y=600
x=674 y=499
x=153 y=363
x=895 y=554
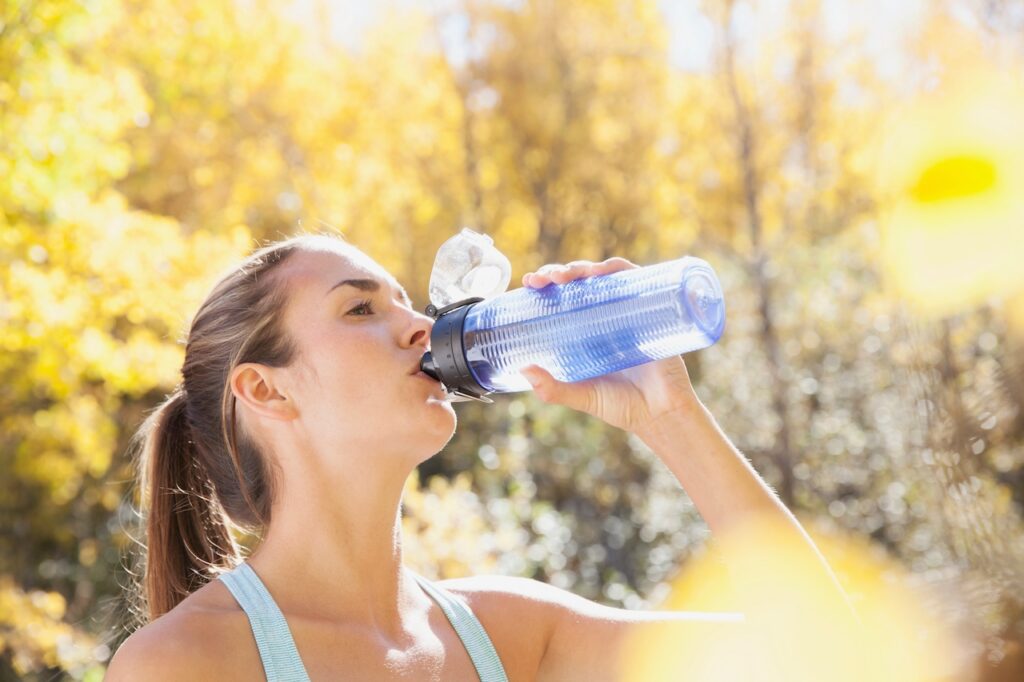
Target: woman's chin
x=442 y=425
x=445 y=406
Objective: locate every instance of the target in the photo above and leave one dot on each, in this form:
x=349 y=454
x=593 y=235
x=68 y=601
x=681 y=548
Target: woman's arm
x=656 y=402
x=731 y=496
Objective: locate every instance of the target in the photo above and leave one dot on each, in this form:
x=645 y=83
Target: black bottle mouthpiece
x=446 y=361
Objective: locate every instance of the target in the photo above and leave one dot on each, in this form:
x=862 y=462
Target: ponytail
x=200 y=475
x=188 y=534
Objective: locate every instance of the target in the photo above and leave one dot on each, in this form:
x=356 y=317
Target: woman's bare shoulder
x=206 y=636
x=500 y=592
x=503 y=603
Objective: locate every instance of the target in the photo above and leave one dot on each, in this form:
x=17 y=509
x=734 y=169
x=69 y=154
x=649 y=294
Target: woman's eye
x=366 y=305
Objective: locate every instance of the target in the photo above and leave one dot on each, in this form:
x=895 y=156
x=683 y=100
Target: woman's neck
x=338 y=557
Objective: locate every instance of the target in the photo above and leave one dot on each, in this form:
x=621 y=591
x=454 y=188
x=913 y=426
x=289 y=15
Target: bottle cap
x=468 y=265
x=702 y=296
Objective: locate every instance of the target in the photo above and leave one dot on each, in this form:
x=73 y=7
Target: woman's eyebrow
x=369 y=285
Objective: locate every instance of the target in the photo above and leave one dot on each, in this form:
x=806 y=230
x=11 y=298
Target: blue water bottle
x=578 y=330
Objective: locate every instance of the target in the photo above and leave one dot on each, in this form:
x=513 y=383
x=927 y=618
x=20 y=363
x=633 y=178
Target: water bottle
x=577 y=330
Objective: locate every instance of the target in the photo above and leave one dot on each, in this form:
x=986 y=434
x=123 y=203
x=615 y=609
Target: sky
x=883 y=23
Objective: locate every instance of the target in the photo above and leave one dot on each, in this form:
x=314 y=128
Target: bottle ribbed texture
x=594 y=326
x=281 y=661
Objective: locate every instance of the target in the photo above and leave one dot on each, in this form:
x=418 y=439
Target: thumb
x=551 y=390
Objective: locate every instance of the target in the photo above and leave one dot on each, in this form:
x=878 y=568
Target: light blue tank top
x=281 y=661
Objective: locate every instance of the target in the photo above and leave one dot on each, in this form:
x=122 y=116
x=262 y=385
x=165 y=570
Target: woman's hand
x=631 y=399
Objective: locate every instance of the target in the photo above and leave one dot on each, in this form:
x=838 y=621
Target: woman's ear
x=255 y=386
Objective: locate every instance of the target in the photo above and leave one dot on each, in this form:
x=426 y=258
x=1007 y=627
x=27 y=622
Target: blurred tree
x=765 y=169
x=1002 y=17
x=969 y=366
x=565 y=102
x=145 y=145
x=388 y=160
x=91 y=293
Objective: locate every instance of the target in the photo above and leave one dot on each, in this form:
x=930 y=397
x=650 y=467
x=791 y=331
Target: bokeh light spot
x=953 y=178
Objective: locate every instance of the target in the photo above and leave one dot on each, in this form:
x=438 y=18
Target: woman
x=300 y=416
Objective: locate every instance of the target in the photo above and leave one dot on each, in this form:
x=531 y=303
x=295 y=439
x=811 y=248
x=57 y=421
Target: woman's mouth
x=420 y=373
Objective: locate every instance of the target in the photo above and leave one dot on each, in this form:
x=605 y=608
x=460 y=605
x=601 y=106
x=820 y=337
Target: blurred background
x=851 y=169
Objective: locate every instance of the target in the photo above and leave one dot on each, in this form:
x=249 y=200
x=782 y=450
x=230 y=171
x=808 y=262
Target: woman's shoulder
x=203 y=637
x=503 y=603
x=502 y=593
x=566 y=633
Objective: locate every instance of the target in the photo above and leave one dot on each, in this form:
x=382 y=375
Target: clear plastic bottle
x=594 y=326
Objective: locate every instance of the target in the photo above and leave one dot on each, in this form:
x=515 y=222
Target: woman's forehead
x=323 y=268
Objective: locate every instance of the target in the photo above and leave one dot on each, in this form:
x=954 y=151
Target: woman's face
x=355 y=380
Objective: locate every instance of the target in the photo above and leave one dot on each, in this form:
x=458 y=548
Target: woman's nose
x=418 y=331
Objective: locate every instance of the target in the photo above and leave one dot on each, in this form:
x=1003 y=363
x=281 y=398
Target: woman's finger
x=614 y=264
x=577 y=269
x=571 y=271
x=542 y=276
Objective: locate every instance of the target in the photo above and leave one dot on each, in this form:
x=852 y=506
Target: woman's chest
x=432 y=654
x=428 y=658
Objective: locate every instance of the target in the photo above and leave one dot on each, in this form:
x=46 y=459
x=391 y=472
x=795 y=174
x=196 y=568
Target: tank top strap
x=479 y=646
x=281 y=661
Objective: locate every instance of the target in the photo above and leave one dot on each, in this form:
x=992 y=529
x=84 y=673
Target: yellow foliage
x=32 y=634
x=448 y=532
